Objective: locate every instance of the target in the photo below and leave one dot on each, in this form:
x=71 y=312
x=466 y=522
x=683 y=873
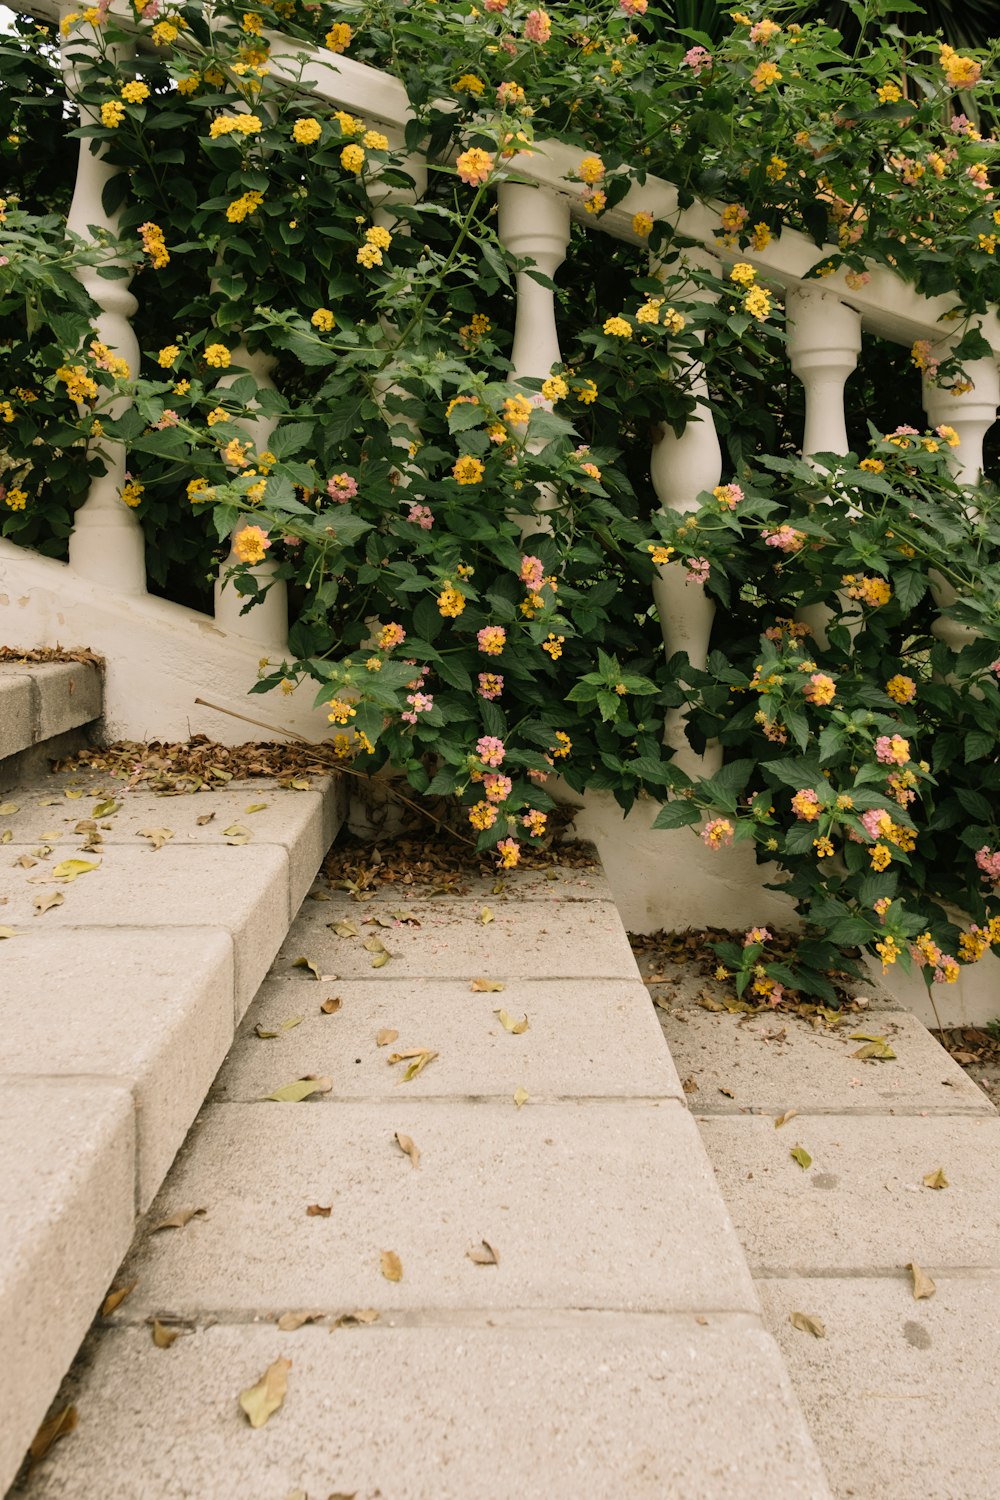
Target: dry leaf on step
x=923 y=1286
x=105 y=808
x=408 y=1148
x=7 y=932
x=116 y=1297
x=509 y=1023
x=51 y=1431
x=262 y=1400
x=805 y=1324
x=801 y=1155
x=164 y=1337
x=306 y=963
x=319 y=1211
x=876 y=1048
x=69 y=869
x=361 y=1315
x=205 y=818
x=285 y=1025
x=936 y=1179
x=180 y=1218
x=330 y=1007
x=385 y=1036
x=391 y=1266
x=157 y=836
x=47 y=900
x=380 y=959
x=237 y=834
x=255 y=807
x=289 y=1321
x=780 y=1120
x=485 y=916
x=483 y=1254
x=486 y=986
x=26 y=861
x=521 y=1096
x=301 y=1088
x=348 y=928
x=7 y=807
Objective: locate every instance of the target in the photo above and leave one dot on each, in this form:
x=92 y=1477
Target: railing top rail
x=888 y=305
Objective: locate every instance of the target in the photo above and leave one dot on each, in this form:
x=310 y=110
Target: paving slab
x=862 y=1203
x=243 y=890
x=777 y=1062
x=594 y=1038
x=302 y=822
x=900 y=1396
x=150 y=1007
x=67 y=1205
x=612 y=1207
x=536 y=940
x=438 y=1414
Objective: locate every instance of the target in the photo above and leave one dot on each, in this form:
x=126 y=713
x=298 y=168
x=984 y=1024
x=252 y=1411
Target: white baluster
x=106 y=544
x=534 y=226
x=680 y=469
x=824 y=341
x=267 y=621
x=971 y=415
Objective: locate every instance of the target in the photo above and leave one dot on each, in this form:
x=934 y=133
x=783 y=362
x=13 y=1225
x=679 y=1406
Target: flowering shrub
x=470 y=560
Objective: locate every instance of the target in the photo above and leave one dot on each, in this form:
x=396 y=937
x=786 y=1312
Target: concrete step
x=616 y=1348
x=42 y=702
x=117 y=1007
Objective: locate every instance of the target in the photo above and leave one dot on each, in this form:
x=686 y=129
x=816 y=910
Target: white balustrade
x=267 y=621
x=106 y=545
x=534 y=227
x=680 y=469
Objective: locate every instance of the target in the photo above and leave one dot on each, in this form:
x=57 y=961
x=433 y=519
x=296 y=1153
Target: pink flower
x=342 y=488
x=717 y=833
x=698 y=60
x=538 y=27
x=532 y=573
x=169 y=419
x=509 y=853
x=894 y=751
x=491 y=639
x=728 y=495
x=634 y=7
x=538 y=776
x=497 y=788
x=698 y=570
x=786 y=539
x=756 y=935
x=989 y=863
x=805 y=805
x=421 y=516
x=876 y=820
x=495 y=6
x=490 y=749
x=995 y=667
x=490 y=685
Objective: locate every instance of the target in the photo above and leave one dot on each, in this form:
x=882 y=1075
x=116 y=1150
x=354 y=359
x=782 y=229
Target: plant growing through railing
x=471 y=561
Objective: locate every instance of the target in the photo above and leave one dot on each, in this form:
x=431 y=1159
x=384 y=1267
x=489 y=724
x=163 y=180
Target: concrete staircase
x=118 y=1002
x=615 y=1348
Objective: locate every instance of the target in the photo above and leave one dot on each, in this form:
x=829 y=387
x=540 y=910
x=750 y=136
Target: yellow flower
x=660 y=555
x=482 y=815
x=673 y=321
x=251 y=543
x=16 y=498
x=323 y=319
x=219 y=414
x=901 y=689
x=352 y=159
x=198 y=489
x=468 y=470
x=306 y=131
x=132 y=493
x=165 y=32
x=565 y=746
x=6 y=411
x=764 y=74
x=339 y=37
x=135 y=92
x=744 y=275
x=378 y=236
x=948 y=435
x=369 y=256
x=234 y=125
x=218 y=356
x=642 y=224
x=889 y=93
x=618 y=328
x=776 y=169
x=872 y=465
x=190 y=84
x=591 y=169
x=470 y=84
x=586 y=392
x=112 y=114
x=881 y=857
x=823 y=848
x=375 y=140
x=554 y=645
x=242 y=208
x=450 y=602
x=517 y=411
x=474 y=166
x=649 y=312
x=349 y=124
x=182 y=387
x=66 y=24
x=758 y=303
x=340 y=711
x=761 y=237
x=555 y=388
x=252 y=24
x=167 y=356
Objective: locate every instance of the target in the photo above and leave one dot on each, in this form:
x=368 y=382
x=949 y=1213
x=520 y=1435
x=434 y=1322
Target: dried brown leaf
x=116 y=1297
x=486 y=986
x=360 y=1316
x=936 y=1179
x=51 y=1431
x=521 y=1096
x=237 y=834
x=47 y=900
x=262 y=1400
x=483 y=1254
x=6 y=808
x=380 y=959
x=255 y=807
x=289 y=1321
x=801 y=1155
x=486 y=916
x=306 y=963
x=345 y=929
x=180 y=1218
x=205 y=818
x=923 y=1286
x=164 y=1337
x=299 y=1089
x=330 y=1007
x=385 y=1036
x=391 y=1266
x=806 y=1324
x=71 y=869
x=780 y=1120
x=157 y=836
x=319 y=1211
x=507 y=1021
x=408 y=1147
x=7 y=932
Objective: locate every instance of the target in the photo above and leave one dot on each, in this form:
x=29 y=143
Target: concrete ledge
x=66 y=1217
x=39 y=700
x=430 y=1413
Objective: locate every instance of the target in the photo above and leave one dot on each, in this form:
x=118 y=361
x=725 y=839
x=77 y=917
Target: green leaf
x=680 y=814
x=979 y=743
